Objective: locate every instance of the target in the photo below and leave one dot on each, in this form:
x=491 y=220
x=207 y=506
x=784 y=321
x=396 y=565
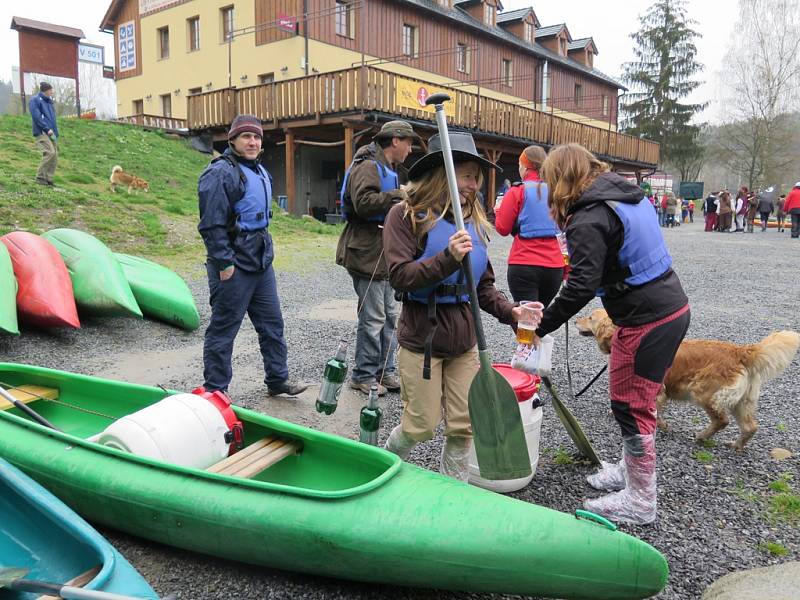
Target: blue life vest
x=252 y=210
x=644 y=256
x=453 y=289
x=534 y=218
x=389 y=182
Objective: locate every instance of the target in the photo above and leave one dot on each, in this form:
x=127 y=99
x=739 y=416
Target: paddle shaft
x=27 y=410
x=63 y=591
x=455 y=201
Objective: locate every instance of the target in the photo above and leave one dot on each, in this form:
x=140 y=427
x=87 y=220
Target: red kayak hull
x=45 y=297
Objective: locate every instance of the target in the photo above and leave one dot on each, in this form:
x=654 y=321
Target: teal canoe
x=159 y=292
x=331 y=506
x=98 y=282
x=41 y=534
x=8 y=294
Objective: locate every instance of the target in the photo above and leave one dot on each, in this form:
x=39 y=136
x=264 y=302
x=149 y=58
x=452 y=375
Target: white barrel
x=532 y=423
x=183 y=429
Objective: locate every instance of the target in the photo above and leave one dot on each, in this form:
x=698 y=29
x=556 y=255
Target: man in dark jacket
x=45 y=130
x=235 y=196
x=371 y=187
x=766 y=205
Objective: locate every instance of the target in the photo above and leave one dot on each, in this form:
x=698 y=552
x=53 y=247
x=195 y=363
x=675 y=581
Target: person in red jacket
x=791 y=207
x=535 y=263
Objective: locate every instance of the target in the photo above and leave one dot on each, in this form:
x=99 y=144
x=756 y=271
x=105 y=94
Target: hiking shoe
x=391 y=382
x=289 y=388
x=363 y=386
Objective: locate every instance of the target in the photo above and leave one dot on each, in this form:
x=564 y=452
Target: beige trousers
x=444 y=396
x=47 y=167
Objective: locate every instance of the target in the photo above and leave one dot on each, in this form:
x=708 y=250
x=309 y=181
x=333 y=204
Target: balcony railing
x=155 y=121
x=370 y=89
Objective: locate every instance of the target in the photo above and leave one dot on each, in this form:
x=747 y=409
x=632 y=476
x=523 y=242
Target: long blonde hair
x=429 y=200
x=568 y=170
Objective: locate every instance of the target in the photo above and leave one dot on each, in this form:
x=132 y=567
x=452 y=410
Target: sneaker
x=42 y=182
x=289 y=388
x=363 y=386
x=391 y=382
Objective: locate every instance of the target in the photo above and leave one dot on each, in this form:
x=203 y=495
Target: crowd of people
x=725 y=214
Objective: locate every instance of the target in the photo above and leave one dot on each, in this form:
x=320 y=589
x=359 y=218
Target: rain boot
x=400 y=442
x=455 y=454
x=610 y=477
x=636 y=503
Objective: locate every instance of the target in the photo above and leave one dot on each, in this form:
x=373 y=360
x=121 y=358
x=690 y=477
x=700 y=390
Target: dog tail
x=116 y=168
x=774 y=353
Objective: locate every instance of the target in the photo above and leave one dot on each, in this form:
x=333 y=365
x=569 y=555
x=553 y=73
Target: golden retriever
x=720 y=377
x=123 y=179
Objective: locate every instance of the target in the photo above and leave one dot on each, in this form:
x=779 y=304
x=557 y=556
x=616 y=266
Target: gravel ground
x=713 y=517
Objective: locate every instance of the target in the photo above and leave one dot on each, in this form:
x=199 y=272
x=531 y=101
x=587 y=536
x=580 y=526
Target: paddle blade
x=499 y=436
x=9 y=575
x=571 y=424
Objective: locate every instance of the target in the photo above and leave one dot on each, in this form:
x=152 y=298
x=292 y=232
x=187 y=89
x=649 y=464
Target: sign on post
x=91 y=53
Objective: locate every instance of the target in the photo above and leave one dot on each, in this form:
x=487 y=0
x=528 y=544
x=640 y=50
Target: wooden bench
x=27 y=394
x=258 y=456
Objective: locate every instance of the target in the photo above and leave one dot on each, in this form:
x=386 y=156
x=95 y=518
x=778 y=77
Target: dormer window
x=445 y=3
x=562 y=46
x=528 y=31
x=490 y=14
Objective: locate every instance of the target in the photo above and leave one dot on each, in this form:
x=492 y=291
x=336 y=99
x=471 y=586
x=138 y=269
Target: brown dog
x=720 y=377
x=123 y=179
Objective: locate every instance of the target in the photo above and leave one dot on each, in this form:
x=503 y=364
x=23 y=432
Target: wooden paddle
x=499 y=436
x=13 y=579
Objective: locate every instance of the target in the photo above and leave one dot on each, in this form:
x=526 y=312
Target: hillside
x=160 y=225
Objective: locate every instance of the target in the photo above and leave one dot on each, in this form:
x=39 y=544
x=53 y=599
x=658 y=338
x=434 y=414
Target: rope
x=9 y=386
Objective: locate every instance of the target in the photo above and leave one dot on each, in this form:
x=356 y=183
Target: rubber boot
x=399 y=442
x=610 y=477
x=455 y=454
x=636 y=503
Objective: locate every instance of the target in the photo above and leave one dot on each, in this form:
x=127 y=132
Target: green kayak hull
x=159 y=292
x=98 y=282
x=338 y=508
x=8 y=294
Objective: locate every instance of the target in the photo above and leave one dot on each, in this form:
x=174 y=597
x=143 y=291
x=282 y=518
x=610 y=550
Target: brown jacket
x=456 y=332
x=360 y=244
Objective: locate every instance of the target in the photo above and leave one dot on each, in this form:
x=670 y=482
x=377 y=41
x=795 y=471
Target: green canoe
x=336 y=508
x=8 y=294
x=98 y=282
x=160 y=293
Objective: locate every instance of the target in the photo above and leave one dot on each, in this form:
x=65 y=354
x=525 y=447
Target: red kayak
x=45 y=295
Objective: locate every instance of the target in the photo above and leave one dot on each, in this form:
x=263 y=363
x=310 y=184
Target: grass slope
x=161 y=225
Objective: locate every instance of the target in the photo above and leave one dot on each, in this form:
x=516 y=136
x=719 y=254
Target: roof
x=20 y=23
x=105 y=24
x=468 y=2
x=581 y=44
x=550 y=30
x=517 y=15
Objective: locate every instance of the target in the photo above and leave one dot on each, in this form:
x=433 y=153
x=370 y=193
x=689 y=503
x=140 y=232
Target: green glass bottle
x=332 y=380
x=370 y=420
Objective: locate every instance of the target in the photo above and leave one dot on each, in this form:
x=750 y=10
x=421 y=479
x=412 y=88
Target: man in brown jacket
x=371 y=187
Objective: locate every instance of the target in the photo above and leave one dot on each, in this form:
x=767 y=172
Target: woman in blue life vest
x=617 y=252
x=438 y=357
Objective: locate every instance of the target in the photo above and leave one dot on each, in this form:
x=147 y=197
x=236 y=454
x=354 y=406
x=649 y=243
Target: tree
x=662 y=75
x=763 y=68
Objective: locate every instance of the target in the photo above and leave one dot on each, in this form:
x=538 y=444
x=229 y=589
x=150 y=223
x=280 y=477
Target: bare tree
x=762 y=81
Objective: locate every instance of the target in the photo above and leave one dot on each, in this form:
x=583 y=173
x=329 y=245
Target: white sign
x=146 y=6
x=91 y=53
x=126 y=46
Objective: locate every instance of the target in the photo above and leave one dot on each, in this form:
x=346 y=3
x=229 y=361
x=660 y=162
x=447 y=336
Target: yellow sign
x=412 y=94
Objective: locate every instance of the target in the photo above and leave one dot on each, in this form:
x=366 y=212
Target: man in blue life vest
x=370 y=188
x=45 y=130
x=235 y=196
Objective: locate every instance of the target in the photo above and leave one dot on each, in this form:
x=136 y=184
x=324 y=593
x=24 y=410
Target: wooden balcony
x=154 y=121
x=368 y=89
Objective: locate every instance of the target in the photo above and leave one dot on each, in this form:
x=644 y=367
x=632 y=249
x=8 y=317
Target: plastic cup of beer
x=531 y=315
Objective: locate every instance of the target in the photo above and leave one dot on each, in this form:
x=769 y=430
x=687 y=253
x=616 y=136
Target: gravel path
x=713 y=517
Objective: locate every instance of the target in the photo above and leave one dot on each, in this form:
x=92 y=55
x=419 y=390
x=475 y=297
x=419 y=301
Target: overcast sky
x=609 y=23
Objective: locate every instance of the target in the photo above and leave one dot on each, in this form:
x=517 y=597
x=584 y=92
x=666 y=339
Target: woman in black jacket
x=617 y=252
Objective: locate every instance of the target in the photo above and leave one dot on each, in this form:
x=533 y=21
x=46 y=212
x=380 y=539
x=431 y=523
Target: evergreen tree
x=662 y=75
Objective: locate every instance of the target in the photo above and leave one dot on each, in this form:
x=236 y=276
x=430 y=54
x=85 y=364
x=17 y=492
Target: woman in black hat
x=438 y=357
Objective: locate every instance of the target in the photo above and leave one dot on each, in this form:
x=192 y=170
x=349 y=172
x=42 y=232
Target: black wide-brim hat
x=463 y=147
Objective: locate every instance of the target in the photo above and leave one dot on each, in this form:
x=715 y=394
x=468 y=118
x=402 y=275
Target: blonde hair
x=533 y=157
x=568 y=170
x=429 y=200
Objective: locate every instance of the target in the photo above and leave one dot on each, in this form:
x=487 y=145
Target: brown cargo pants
x=47 y=167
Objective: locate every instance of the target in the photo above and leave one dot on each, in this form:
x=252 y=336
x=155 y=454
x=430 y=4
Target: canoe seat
x=256 y=457
x=79 y=581
x=28 y=393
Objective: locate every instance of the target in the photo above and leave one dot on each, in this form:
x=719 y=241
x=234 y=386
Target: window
x=489 y=14
x=344 y=18
x=266 y=78
x=197 y=90
x=193 y=31
x=226 y=16
x=445 y=3
x=528 y=32
x=507 y=71
x=138 y=107
x=589 y=59
x=605 y=105
x=163 y=42
x=410 y=41
x=578 y=94
x=166 y=105
x=462 y=58
x=562 y=46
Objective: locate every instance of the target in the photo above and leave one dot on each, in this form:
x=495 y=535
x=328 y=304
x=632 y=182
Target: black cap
x=44 y=86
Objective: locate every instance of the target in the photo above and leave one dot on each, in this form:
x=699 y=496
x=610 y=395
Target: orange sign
x=412 y=94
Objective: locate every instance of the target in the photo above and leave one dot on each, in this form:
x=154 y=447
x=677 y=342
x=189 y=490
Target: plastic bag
x=537 y=361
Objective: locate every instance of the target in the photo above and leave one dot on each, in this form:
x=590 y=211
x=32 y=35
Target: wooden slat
x=28 y=393
x=256 y=457
x=243 y=453
x=267 y=461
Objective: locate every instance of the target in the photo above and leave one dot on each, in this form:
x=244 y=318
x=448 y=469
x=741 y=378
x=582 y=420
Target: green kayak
x=330 y=506
x=8 y=294
x=98 y=282
x=160 y=293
